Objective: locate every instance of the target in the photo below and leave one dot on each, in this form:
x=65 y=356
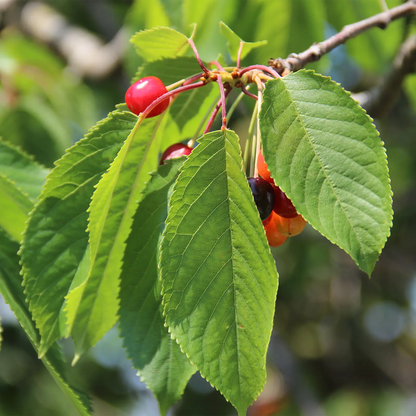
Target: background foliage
x=342 y=344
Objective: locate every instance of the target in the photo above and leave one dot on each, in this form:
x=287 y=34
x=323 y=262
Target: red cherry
x=174 y=151
x=289 y=226
x=274 y=237
x=283 y=205
x=263 y=195
x=143 y=92
x=262 y=168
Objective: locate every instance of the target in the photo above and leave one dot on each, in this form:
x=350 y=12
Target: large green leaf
x=94 y=303
x=55 y=239
x=161 y=365
x=12 y=291
x=21 y=169
x=324 y=152
x=160 y=42
x=14 y=208
x=219 y=278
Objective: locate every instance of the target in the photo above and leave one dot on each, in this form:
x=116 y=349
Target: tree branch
x=297 y=61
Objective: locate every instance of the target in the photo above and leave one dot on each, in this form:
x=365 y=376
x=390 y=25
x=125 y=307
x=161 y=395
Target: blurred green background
x=343 y=344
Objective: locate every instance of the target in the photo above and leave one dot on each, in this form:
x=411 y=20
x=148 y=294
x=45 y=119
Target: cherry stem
x=240 y=49
x=218 y=65
x=258 y=138
x=168 y=94
x=250 y=141
x=204 y=119
x=192 y=79
x=223 y=105
x=203 y=67
x=264 y=68
x=244 y=89
x=215 y=112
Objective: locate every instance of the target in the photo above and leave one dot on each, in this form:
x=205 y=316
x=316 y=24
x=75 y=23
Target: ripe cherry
x=289 y=226
x=283 y=205
x=262 y=168
x=263 y=194
x=174 y=151
x=274 y=237
x=143 y=92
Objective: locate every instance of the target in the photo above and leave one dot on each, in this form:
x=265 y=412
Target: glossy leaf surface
x=218 y=276
x=324 y=152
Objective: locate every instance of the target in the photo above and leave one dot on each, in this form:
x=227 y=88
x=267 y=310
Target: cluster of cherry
x=279 y=216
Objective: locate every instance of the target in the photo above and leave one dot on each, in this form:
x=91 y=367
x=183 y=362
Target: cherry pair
x=279 y=216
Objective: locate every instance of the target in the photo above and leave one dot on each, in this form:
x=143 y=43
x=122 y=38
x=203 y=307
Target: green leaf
x=324 y=152
x=12 y=291
x=161 y=364
x=234 y=42
x=112 y=207
x=55 y=239
x=14 y=208
x=21 y=169
x=160 y=42
x=218 y=276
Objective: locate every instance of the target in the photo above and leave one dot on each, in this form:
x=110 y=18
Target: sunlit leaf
x=94 y=303
x=219 y=278
x=158 y=359
x=160 y=42
x=55 y=239
x=324 y=152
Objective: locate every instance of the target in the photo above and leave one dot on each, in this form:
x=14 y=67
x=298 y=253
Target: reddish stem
x=218 y=65
x=201 y=64
x=193 y=78
x=240 y=49
x=163 y=97
x=264 y=68
x=215 y=112
x=243 y=88
x=224 y=109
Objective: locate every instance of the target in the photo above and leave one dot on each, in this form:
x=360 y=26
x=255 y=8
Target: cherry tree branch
x=297 y=61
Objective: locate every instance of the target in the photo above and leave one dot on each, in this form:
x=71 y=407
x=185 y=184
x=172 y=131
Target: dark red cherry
x=283 y=205
x=263 y=194
x=174 y=151
x=143 y=92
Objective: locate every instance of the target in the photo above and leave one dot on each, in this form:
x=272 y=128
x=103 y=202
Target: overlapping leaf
x=55 y=240
x=326 y=155
x=161 y=364
x=160 y=42
x=14 y=208
x=94 y=303
x=20 y=168
x=219 y=278
x=12 y=291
